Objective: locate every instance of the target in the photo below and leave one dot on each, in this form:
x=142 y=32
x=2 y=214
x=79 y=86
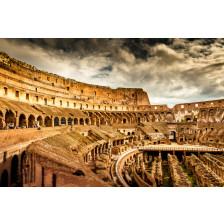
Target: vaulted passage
x=56 y=121
x=31 y=121
x=76 y=121
x=87 y=121
x=81 y=121
x=10 y=118
x=4 y=179
x=14 y=169
x=22 y=120
x=69 y=121
x=48 y=122
x=63 y=121
x=40 y=121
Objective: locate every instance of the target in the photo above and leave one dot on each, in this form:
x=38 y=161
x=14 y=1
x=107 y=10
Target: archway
x=76 y=121
x=93 y=121
x=56 y=121
x=4 y=179
x=172 y=136
x=22 y=120
x=40 y=121
x=31 y=121
x=63 y=121
x=139 y=120
x=10 y=119
x=69 y=121
x=103 y=121
x=81 y=121
x=14 y=169
x=1 y=119
x=124 y=120
x=48 y=122
x=87 y=121
x=169 y=118
x=188 y=119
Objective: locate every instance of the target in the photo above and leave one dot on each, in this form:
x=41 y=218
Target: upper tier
x=28 y=78
x=22 y=82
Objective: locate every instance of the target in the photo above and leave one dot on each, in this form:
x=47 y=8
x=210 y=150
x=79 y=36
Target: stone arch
x=103 y=121
x=10 y=118
x=188 y=119
x=1 y=119
x=4 y=179
x=22 y=120
x=22 y=158
x=48 y=121
x=87 y=121
x=63 y=121
x=56 y=121
x=40 y=121
x=93 y=121
x=14 y=169
x=169 y=117
x=76 y=121
x=124 y=120
x=31 y=121
x=81 y=121
x=69 y=121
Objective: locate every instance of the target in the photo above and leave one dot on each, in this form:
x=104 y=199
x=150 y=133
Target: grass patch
x=189 y=175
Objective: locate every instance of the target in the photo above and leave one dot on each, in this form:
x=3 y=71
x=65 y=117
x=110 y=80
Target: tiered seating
x=203 y=175
x=179 y=177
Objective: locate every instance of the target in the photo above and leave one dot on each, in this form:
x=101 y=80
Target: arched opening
x=63 y=121
x=93 y=121
x=188 y=120
x=40 y=121
x=56 y=121
x=172 y=136
x=10 y=119
x=69 y=121
x=14 y=169
x=87 y=121
x=81 y=121
x=1 y=120
x=124 y=121
x=21 y=167
x=48 y=122
x=31 y=121
x=129 y=133
x=22 y=121
x=76 y=121
x=22 y=157
x=139 y=120
x=103 y=121
x=4 y=179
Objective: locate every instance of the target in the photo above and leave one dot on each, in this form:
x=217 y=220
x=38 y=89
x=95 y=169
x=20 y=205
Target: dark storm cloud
x=107 y=68
x=171 y=70
x=99 y=76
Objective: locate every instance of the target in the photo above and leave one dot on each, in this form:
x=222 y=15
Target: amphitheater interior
x=58 y=132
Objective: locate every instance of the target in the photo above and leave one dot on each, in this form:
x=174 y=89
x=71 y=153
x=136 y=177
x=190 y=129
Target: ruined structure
x=61 y=132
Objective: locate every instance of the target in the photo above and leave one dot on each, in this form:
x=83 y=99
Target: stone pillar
x=173 y=152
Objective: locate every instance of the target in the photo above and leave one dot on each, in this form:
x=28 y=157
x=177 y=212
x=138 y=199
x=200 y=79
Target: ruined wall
x=54 y=90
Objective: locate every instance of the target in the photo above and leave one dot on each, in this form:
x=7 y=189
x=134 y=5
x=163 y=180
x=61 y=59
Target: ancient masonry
x=61 y=132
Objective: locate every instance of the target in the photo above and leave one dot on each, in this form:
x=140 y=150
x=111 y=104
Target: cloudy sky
x=171 y=71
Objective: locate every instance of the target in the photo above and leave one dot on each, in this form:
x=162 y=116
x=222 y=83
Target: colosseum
x=58 y=132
